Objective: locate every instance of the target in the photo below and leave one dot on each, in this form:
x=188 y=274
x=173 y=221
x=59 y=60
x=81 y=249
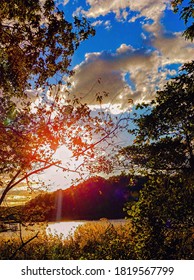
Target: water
x=68 y=227
x=65 y=228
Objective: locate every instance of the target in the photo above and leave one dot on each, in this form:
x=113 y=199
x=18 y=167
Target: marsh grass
x=100 y=240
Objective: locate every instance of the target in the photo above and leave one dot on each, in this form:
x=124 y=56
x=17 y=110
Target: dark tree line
x=93 y=199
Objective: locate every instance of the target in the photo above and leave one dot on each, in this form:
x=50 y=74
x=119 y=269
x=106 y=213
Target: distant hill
x=95 y=198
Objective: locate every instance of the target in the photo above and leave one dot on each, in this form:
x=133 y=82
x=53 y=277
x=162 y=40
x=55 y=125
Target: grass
x=91 y=241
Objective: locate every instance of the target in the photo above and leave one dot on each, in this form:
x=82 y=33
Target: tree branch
x=23 y=245
x=103 y=138
x=13 y=184
x=9 y=186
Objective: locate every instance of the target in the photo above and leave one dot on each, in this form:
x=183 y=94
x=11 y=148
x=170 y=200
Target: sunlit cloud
x=97 y=23
x=131 y=73
x=98 y=7
x=106 y=24
x=128 y=72
x=147 y=10
x=174 y=49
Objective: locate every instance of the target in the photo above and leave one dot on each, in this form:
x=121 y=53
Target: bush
x=104 y=241
x=163 y=222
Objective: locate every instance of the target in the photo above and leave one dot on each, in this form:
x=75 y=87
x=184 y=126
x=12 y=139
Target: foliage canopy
x=165 y=133
x=36 y=44
x=163 y=149
x=187 y=14
x=37 y=114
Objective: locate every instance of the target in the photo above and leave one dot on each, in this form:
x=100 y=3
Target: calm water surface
x=67 y=228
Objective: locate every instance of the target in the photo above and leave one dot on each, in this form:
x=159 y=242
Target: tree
x=37 y=115
x=36 y=44
x=186 y=13
x=165 y=133
x=163 y=219
x=30 y=137
x=163 y=150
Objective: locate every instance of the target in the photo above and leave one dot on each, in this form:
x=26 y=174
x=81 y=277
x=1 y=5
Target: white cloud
x=124 y=48
x=103 y=7
x=143 y=36
x=174 y=49
x=104 y=72
x=129 y=73
x=97 y=22
x=106 y=24
x=150 y=10
x=78 y=12
x=58 y=2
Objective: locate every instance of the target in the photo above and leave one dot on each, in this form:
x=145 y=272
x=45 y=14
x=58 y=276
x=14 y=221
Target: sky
x=138 y=46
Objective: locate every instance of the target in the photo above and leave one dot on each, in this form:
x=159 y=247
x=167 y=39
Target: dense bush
x=163 y=220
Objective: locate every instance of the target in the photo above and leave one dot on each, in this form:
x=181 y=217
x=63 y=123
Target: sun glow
x=56 y=177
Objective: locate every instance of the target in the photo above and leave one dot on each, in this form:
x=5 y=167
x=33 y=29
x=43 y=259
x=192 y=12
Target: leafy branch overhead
x=187 y=14
x=36 y=44
x=36 y=47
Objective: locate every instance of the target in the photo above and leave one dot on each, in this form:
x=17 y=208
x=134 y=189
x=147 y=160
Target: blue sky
x=138 y=46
